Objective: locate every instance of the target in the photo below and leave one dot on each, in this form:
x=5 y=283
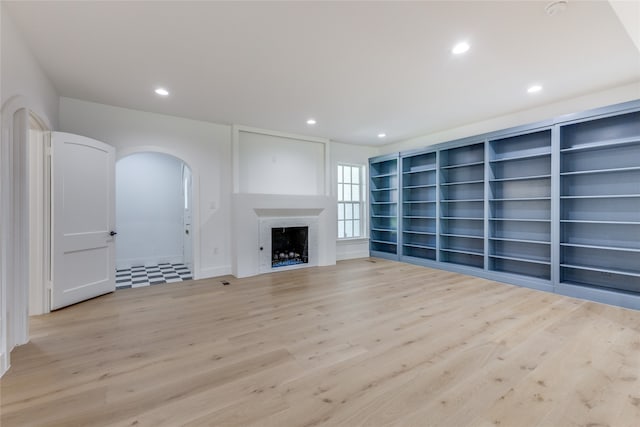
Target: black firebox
x=289 y=246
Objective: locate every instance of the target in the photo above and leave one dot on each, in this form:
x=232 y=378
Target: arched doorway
x=22 y=219
x=153 y=219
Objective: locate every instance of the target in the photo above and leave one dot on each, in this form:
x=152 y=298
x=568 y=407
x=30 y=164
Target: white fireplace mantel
x=287 y=212
x=249 y=209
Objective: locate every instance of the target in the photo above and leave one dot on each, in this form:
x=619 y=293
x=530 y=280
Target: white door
x=187 y=241
x=83 y=218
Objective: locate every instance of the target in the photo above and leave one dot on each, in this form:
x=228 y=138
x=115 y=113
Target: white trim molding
x=235 y=152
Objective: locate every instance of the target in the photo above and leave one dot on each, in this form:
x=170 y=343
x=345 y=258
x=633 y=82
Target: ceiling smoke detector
x=556 y=7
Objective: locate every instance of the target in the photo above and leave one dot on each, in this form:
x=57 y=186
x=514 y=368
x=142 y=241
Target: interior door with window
x=82 y=218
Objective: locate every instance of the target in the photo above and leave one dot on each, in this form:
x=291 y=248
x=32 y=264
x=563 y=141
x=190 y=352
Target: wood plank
x=365 y=342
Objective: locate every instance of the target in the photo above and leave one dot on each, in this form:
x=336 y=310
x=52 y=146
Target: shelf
x=580 y=221
x=384 y=175
x=419 y=170
x=384 y=203
x=529 y=208
x=461 y=200
x=522 y=147
x=520 y=268
x=520 y=251
x=418 y=217
x=606 y=280
x=604 y=196
x=414 y=245
x=520 y=199
x=384 y=189
x=597 y=171
x=418 y=201
x=603 y=144
x=522 y=157
x=606 y=248
x=383 y=216
x=601 y=235
x=387 y=230
x=463 y=218
x=424 y=233
x=521 y=178
x=520 y=189
x=479 y=181
x=463 y=165
x=465 y=236
x=386 y=242
x=511 y=258
x=457 y=251
x=461 y=241
x=520 y=219
x=601 y=270
x=409 y=187
x=418 y=162
x=504 y=239
x=419 y=252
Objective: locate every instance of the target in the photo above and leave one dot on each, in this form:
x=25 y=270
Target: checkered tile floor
x=136 y=277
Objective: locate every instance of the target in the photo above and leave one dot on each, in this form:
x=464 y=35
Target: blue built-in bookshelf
x=383 y=206
x=553 y=205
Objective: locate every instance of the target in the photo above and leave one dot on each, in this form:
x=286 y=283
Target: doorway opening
x=39 y=218
x=153 y=219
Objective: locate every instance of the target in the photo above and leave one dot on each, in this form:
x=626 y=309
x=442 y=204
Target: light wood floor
x=367 y=342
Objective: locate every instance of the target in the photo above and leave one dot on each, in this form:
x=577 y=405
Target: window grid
x=350 y=201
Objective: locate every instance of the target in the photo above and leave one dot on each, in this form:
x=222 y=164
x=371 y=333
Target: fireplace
x=289 y=246
x=288 y=243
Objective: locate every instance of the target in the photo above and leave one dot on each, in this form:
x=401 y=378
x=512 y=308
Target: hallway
x=137 y=277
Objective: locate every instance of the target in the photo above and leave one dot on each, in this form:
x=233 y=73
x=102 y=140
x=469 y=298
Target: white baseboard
x=352 y=255
x=4 y=366
x=208 y=272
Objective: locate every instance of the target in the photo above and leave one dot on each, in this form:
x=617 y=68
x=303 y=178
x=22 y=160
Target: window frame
x=362 y=175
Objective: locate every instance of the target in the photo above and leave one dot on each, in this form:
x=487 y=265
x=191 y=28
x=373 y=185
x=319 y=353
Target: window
x=350 y=201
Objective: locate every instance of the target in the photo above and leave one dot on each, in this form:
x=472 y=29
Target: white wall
x=149 y=210
x=23 y=76
x=204 y=147
x=355 y=155
x=269 y=164
x=610 y=96
x=23 y=85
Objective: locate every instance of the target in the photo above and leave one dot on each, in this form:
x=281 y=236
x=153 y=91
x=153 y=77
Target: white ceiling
x=358 y=68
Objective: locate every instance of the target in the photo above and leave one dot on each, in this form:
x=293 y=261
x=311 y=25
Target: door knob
x=112 y=233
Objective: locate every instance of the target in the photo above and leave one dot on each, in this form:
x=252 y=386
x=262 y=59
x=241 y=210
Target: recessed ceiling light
x=162 y=91
x=311 y=121
x=534 y=89
x=461 y=47
x=382 y=135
